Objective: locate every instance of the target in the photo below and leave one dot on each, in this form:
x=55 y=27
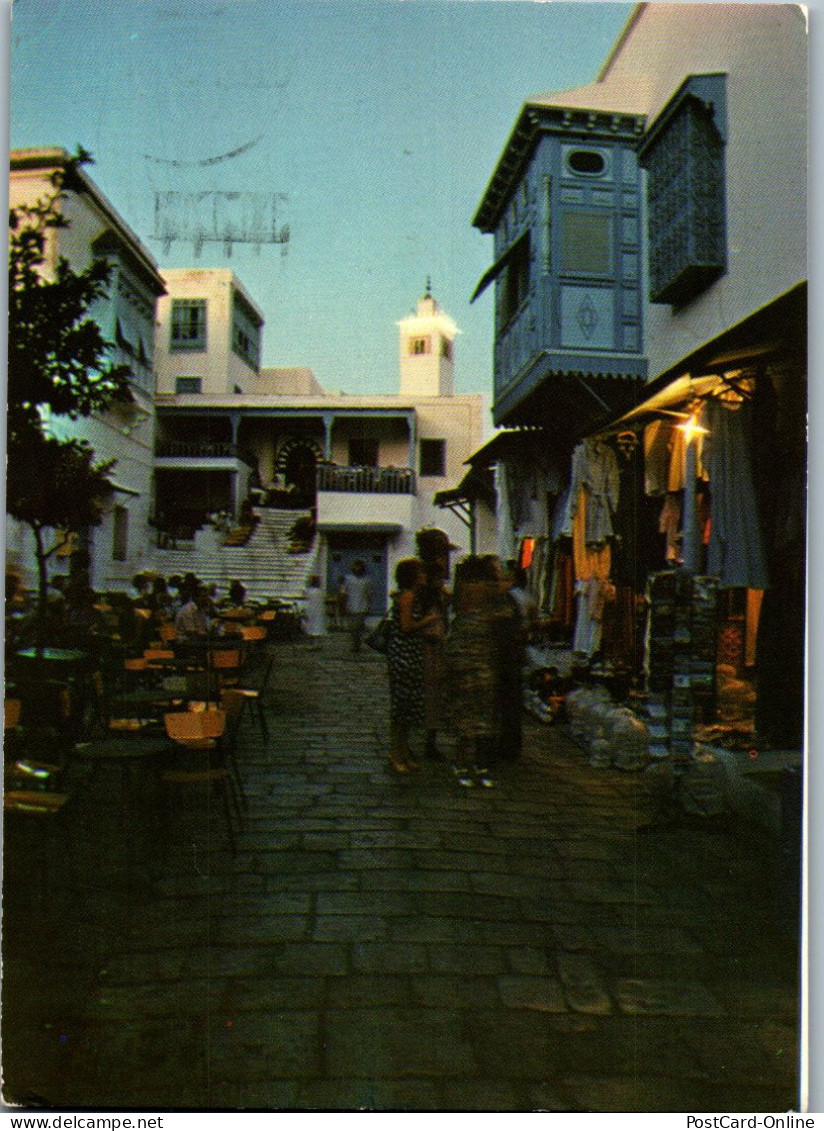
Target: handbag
x=378 y=638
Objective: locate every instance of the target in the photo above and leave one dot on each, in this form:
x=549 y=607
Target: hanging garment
x=657 y=436
x=735 y=553
x=592 y=596
x=595 y=471
x=561 y=598
x=588 y=559
x=507 y=541
x=670 y=525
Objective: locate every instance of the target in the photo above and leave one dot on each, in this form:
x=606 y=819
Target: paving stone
x=482 y=1094
x=391 y=958
x=418 y=880
x=684 y=999
x=750 y=1001
x=347 y=928
x=664 y=940
x=547 y=1097
x=395 y=839
x=241 y=930
x=451 y=992
x=151 y=966
x=251 y=1095
x=521 y=1044
x=265 y=1045
x=635 y=1092
x=531 y=960
x=310 y=958
x=572 y=936
x=275 y=882
x=368 y=990
x=517 y=934
x=467 y=959
x=242 y=994
x=369 y=1095
x=397 y=1042
x=525 y=992
x=125 y=1003
x=583 y=984
x=504 y=883
x=756 y=1053
x=423 y=928
x=367 y=859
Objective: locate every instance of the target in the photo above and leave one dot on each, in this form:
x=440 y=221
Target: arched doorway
x=296 y=460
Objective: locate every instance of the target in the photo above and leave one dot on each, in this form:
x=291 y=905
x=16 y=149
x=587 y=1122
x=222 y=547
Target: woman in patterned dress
x=405 y=658
x=481 y=608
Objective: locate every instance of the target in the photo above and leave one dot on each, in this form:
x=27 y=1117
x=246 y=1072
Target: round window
x=588 y=161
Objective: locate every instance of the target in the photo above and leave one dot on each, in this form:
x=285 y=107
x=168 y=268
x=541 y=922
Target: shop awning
x=497 y=267
x=719 y=365
x=477 y=484
x=507 y=442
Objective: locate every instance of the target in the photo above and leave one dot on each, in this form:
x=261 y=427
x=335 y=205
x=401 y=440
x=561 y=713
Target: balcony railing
x=202 y=449
x=367 y=480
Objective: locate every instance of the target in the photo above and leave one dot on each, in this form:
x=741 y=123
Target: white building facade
x=364 y=469
x=119 y=546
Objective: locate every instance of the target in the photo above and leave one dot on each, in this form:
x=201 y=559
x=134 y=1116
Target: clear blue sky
x=380 y=122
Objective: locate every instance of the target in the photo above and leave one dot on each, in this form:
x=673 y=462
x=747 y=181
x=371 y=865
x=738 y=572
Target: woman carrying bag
x=405 y=657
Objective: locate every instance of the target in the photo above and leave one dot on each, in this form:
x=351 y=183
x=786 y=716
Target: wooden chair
x=251 y=633
x=253 y=686
x=34 y=835
x=198 y=736
x=226 y=662
x=233 y=702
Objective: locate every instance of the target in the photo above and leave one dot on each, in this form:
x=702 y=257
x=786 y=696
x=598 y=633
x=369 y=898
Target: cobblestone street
x=398 y=943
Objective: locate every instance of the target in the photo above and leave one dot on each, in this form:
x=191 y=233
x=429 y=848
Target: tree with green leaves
x=59 y=366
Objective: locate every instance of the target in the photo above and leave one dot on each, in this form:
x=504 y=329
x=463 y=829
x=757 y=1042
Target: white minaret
x=427 y=340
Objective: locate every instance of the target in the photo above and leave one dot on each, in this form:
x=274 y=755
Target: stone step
x=264 y=564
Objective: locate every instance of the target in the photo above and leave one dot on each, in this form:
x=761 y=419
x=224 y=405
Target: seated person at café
x=237 y=594
x=140 y=590
x=161 y=601
x=192 y=622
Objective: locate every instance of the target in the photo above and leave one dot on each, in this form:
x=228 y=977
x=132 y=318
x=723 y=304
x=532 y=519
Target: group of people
x=456 y=659
x=78 y=617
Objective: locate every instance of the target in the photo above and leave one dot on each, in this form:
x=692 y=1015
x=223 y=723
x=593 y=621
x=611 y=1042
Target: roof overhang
x=535 y=119
x=570 y=395
x=76 y=180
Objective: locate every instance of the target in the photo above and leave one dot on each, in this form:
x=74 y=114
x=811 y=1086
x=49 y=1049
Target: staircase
x=264 y=564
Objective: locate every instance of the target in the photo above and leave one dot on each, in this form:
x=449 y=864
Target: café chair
x=198 y=737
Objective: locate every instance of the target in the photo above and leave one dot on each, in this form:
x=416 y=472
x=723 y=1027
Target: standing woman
x=405 y=658
x=472 y=651
x=434 y=549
